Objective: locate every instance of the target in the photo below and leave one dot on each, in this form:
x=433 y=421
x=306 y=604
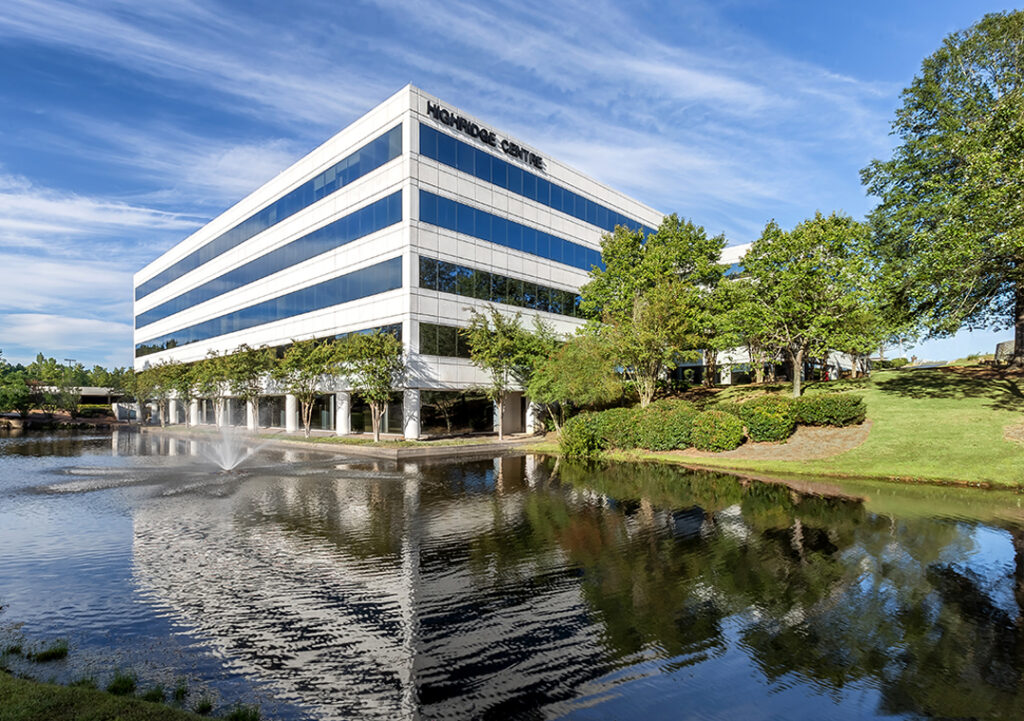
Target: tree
x=247 y=369
x=505 y=351
x=305 y=367
x=581 y=372
x=374 y=364
x=183 y=381
x=806 y=286
x=69 y=394
x=158 y=381
x=950 y=221
x=662 y=328
x=211 y=377
x=16 y=394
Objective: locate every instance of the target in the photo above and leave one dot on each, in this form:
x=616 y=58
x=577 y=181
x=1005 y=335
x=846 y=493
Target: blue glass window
x=443 y=340
x=473 y=283
x=369 y=157
x=474 y=161
x=376 y=216
x=446 y=213
x=379 y=278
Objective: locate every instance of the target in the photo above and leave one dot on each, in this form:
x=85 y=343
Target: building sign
x=488 y=137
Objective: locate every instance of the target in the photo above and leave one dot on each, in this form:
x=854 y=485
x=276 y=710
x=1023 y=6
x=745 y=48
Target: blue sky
x=125 y=125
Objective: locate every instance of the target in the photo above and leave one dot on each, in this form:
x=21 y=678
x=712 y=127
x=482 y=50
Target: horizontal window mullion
x=358 y=224
x=368 y=158
x=379 y=278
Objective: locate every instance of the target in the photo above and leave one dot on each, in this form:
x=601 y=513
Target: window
x=379 y=278
x=376 y=216
x=368 y=158
x=473 y=283
x=477 y=162
x=442 y=340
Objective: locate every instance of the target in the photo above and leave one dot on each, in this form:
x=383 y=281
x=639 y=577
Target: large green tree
x=374 y=364
x=581 y=372
x=807 y=286
x=950 y=223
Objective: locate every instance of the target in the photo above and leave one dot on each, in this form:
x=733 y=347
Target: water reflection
x=512 y=588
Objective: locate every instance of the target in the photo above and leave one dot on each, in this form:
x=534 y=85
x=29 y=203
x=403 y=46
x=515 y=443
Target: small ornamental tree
x=247 y=369
x=579 y=373
x=374 y=364
x=161 y=385
x=16 y=394
x=184 y=382
x=661 y=329
x=499 y=346
x=305 y=367
x=211 y=376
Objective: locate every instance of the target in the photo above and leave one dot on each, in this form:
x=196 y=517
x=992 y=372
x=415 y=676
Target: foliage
x=506 y=352
x=831 y=409
x=212 y=380
x=950 y=222
x=661 y=328
x=305 y=367
x=890 y=363
x=618 y=427
x=374 y=364
x=807 y=286
x=731 y=407
x=123 y=683
x=654 y=298
x=769 y=418
x=716 y=431
x=580 y=373
x=247 y=369
x=16 y=394
x=581 y=439
x=665 y=425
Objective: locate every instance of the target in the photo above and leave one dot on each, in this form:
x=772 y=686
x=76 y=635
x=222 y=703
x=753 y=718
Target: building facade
x=405 y=220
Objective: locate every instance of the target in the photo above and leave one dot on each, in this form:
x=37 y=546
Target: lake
x=326 y=586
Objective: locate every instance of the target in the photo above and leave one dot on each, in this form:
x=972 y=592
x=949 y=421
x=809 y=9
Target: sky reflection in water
x=335 y=588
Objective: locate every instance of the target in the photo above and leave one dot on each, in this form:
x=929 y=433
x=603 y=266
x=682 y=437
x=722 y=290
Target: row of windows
x=468 y=220
x=474 y=161
x=369 y=157
x=376 y=216
x=494 y=288
x=443 y=340
x=384 y=276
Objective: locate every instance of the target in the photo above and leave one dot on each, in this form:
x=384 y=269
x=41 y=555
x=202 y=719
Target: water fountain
x=229 y=450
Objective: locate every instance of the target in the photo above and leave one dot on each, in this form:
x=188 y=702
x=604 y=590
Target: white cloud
x=61 y=336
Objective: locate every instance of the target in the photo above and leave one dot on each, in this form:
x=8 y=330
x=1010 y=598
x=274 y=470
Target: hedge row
x=671 y=424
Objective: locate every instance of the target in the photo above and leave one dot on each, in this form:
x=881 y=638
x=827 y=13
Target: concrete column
x=250 y=412
x=342 y=413
x=172 y=410
x=291 y=413
x=193 y=412
x=534 y=422
x=411 y=413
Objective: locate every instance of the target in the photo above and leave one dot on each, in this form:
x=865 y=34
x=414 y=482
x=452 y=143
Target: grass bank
x=26 y=700
x=946 y=425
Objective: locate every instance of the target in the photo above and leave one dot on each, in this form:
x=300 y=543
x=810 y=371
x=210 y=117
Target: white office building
x=405 y=220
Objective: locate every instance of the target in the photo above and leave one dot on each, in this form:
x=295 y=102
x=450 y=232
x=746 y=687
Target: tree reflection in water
x=495 y=589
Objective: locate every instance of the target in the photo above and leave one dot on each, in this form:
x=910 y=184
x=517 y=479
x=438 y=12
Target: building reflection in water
x=500 y=588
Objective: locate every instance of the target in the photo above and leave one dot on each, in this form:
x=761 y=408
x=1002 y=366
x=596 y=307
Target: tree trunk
x=376 y=414
x=500 y=404
x=710 y=368
x=1017 y=359
x=797 y=360
x=307 y=416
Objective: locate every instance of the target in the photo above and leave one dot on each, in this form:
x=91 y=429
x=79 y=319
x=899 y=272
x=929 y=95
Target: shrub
x=716 y=431
x=54 y=652
x=769 y=418
x=581 y=439
x=155 y=694
x=617 y=427
x=93 y=410
x=665 y=425
x=831 y=409
x=731 y=407
x=244 y=713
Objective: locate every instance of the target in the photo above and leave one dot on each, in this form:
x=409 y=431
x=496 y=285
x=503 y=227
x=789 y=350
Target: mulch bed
x=807 y=444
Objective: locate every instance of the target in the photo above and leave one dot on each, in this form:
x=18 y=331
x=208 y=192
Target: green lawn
x=927 y=425
x=24 y=700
